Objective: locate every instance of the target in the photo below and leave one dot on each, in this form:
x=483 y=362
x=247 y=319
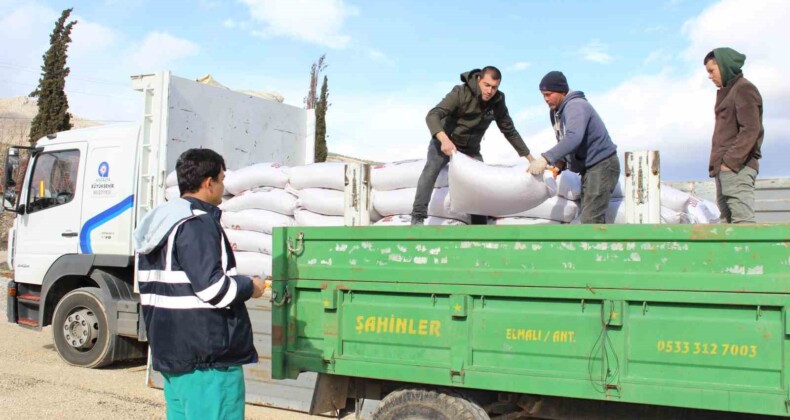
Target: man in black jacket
x=459 y=122
x=198 y=327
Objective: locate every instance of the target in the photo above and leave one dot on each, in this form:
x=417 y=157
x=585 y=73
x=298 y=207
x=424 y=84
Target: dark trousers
x=598 y=182
x=435 y=161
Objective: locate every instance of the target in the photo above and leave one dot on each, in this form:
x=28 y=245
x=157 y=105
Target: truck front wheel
x=80 y=330
x=414 y=404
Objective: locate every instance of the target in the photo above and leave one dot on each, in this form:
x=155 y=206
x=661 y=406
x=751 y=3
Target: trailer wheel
x=418 y=404
x=80 y=330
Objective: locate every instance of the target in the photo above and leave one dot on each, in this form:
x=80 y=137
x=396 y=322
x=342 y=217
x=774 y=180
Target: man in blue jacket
x=192 y=299
x=583 y=145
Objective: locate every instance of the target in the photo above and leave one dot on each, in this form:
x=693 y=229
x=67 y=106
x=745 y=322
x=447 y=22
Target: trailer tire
x=80 y=330
x=427 y=404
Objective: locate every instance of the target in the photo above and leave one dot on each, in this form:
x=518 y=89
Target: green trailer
x=506 y=321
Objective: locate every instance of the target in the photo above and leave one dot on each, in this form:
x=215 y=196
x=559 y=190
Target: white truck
x=78 y=196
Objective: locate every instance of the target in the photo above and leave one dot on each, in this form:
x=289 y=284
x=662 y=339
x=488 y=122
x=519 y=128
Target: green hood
x=470 y=79
x=730 y=63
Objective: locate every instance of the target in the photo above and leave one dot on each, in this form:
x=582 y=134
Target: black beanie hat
x=554 y=81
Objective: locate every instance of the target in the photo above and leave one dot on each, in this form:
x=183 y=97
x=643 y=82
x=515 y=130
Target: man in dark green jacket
x=458 y=123
x=737 y=136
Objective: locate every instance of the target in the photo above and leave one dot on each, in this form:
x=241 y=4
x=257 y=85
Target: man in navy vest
x=192 y=299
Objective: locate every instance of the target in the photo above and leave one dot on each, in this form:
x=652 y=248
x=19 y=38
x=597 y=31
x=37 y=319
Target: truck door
x=49 y=225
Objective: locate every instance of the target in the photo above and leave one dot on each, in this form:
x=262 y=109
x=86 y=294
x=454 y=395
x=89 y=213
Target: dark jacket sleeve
x=575 y=117
x=199 y=254
x=447 y=106
x=748 y=114
x=508 y=129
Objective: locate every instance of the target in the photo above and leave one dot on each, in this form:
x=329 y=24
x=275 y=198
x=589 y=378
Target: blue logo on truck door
x=104 y=170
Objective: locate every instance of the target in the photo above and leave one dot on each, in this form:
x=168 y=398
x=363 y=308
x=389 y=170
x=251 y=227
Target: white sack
x=405 y=220
x=257 y=175
x=674 y=199
x=519 y=221
x=322 y=201
x=703 y=211
x=615 y=213
x=172 y=179
x=619 y=189
x=671 y=217
x=330 y=175
x=255 y=220
x=555 y=208
x=253 y=264
x=478 y=188
x=396 y=202
x=307 y=218
x=247 y=240
x=375 y=216
x=403 y=174
x=172 y=193
x=569 y=185
x=273 y=199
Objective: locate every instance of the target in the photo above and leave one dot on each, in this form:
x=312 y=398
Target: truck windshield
x=54 y=179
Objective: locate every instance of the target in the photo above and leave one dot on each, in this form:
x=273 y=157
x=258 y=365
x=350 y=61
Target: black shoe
x=417 y=221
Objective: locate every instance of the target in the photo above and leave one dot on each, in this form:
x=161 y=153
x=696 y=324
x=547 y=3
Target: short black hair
x=195 y=165
x=710 y=56
x=493 y=71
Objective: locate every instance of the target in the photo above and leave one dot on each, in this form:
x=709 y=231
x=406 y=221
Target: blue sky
x=390 y=61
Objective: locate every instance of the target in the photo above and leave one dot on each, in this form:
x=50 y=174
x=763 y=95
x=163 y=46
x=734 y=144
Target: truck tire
x=80 y=330
x=418 y=404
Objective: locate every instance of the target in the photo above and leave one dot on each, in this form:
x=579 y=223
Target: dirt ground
x=36 y=384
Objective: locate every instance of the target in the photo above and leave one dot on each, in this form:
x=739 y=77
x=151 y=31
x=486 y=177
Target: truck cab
x=70 y=244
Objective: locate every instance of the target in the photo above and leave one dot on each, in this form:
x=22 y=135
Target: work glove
x=537 y=166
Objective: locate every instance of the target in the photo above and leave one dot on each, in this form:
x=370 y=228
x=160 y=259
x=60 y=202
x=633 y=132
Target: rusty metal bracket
x=285 y=300
x=296 y=247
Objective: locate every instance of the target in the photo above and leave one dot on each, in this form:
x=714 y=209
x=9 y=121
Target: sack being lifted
x=479 y=188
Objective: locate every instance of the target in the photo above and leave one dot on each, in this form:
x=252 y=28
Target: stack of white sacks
x=394 y=187
x=259 y=204
x=320 y=191
x=677 y=207
x=263 y=196
x=255 y=202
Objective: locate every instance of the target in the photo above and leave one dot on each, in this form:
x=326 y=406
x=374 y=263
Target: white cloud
x=159 y=51
x=24 y=40
x=380 y=56
x=519 y=66
x=89 y=37
x=596 y=51
x=315 y=21
x=384 y=128
x=657 y=56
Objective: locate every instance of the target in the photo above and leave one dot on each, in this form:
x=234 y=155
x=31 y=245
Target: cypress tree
x=321 y=151
x=53 y=106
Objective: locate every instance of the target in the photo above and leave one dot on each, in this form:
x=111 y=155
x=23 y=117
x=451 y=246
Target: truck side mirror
x=15 y=168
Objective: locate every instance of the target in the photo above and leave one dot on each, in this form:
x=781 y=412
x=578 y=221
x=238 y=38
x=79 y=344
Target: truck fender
x=113 y=274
